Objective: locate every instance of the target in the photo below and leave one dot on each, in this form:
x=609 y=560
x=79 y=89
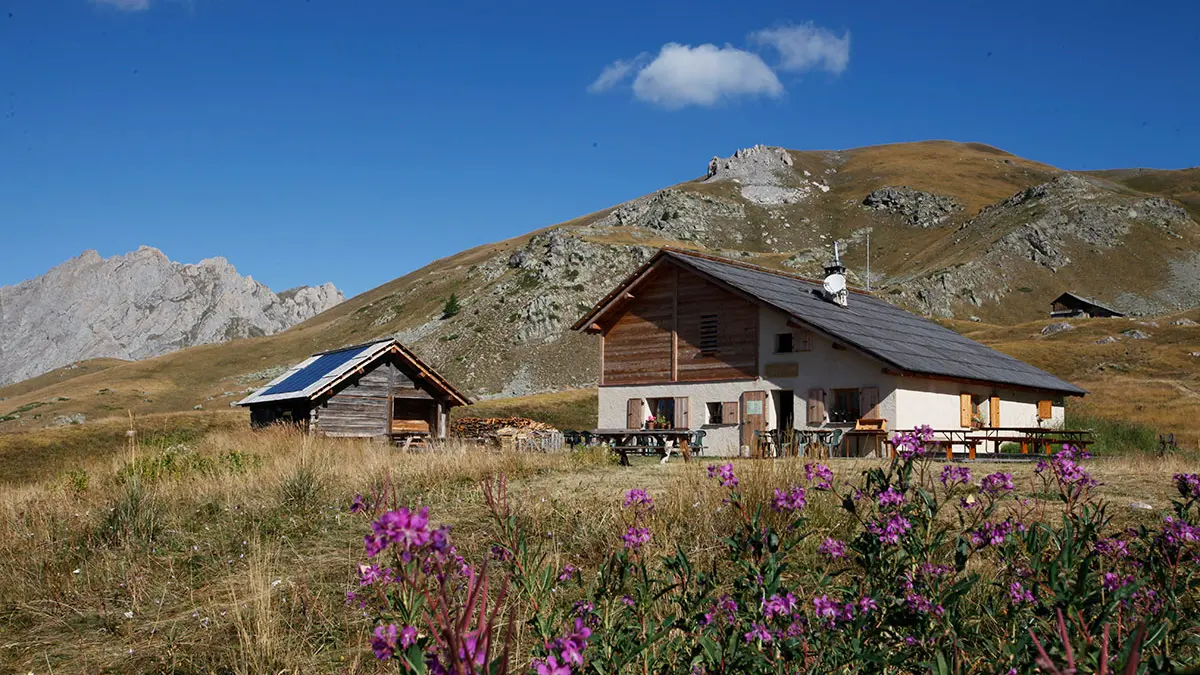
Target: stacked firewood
x=490 y=427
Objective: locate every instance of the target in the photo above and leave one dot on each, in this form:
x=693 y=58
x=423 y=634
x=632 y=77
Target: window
x=709 y=326
x=715 y=414
x=784 y=344
x=662 y=413
x=846 y=406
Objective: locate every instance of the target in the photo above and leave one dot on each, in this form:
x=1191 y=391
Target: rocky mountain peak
x=139 y=305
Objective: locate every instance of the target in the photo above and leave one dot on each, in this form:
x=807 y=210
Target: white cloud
x=126 y=5
x=683 y=75
x=807 y=47
x=616 y=72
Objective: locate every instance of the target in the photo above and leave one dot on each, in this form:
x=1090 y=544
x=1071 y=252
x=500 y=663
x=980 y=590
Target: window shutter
x=1045 y=409
x=868 y=398
x=803 y=340
x=633 y=414
x=729 y=412
x=994 y=411
x=816 y=406
x=681 y=413
x=964 y=412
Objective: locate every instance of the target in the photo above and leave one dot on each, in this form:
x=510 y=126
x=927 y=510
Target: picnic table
x=623 y=441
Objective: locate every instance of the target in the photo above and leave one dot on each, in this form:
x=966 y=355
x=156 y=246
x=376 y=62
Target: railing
x=1032 y=440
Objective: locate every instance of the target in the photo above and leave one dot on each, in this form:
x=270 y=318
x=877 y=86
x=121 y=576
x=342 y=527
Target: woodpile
x=489 y=427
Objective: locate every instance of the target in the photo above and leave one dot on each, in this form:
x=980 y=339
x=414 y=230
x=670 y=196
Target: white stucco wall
x=937 y=403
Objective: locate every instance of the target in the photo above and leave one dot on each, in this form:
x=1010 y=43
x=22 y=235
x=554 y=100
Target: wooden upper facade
x=679 y=327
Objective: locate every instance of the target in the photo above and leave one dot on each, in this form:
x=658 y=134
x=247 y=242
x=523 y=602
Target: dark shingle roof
x=895 y=336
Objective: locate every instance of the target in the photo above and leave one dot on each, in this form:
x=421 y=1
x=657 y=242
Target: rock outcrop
x=919 y=209
x=137 y=306
x=765 y=174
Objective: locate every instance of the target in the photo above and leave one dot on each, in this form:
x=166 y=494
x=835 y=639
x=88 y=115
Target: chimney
x=835 y=279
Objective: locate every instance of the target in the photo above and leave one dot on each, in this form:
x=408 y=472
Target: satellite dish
x=835 y=283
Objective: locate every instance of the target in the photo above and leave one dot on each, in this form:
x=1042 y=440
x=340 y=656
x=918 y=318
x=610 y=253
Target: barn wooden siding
x=363 y=406
x=660 y=334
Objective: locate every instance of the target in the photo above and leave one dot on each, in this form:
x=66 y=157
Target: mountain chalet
x=699 y=342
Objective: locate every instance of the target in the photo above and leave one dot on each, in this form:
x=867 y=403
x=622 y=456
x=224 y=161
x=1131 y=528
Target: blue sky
x=355 y=141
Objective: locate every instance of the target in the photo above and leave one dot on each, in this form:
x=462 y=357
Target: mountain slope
x=957 y=230
x=137 y=306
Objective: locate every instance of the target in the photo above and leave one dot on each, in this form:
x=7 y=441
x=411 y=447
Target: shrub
x=933 y=572
x=1114 y=436
x=451 y=307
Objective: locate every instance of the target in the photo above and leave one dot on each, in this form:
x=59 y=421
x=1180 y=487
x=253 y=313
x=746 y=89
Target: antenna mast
x=868 y=261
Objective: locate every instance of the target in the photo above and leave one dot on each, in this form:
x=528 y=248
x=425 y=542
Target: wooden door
x=754 y=415
x=681 y=420
x=633 y=414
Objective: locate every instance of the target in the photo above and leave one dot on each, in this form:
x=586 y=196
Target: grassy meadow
x=231 y=551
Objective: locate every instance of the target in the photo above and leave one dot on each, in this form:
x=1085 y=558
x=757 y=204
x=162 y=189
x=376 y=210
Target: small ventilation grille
x=709 y=328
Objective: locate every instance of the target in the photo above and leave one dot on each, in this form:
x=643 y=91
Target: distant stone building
x=1070 y=305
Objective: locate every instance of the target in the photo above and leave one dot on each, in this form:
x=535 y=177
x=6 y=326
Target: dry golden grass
x=233 y=554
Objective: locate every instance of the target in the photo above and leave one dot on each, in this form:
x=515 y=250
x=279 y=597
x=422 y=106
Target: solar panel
x=325 y=364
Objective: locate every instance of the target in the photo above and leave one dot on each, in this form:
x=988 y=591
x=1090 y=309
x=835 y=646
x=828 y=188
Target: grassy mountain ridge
x=969 y=231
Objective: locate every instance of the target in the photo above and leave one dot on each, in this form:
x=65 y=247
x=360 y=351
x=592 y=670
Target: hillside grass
x=239 y=558
x=573 y=409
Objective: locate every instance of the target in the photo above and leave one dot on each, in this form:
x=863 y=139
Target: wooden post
x=949 y=452
x=685 y=449
x=972 y=449
x=1025 y=447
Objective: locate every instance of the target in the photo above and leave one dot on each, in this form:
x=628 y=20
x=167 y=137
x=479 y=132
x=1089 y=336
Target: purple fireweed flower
x=953 y=475
x=778 y=605
x=967 y=503
x=758 y=632
x=1018 y=594
x=500 y=553
x=369 y=574
x=995 y=483
x=1176 y=532
x=910 y=445
x=994 y=534
x=358 y=505
x=636 y=537
x=628 y=601
x=820 y=472
x=825 y=608
x=567 y=572
x=1188 y=484
x=924 y=432
x=931 y=570
x=373 y=545
x=473 y=649
x=639 y=499
x=583 y=608
x=551 y=666
x=384 y=642
x=1114 y=582
x=572 y=645
x=922 y=605
x=890 y=497
x=403 y=528
x=891 y=531
x=1113 y=548
x=866 y=604
x=832 y=548
x=408 y=637
x=439 y=539
x=792 y=500
x=724 y=474
x=724 y=608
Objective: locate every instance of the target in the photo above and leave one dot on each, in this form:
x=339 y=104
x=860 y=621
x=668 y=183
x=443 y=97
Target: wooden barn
x=374 y=390
x=1070 y=305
